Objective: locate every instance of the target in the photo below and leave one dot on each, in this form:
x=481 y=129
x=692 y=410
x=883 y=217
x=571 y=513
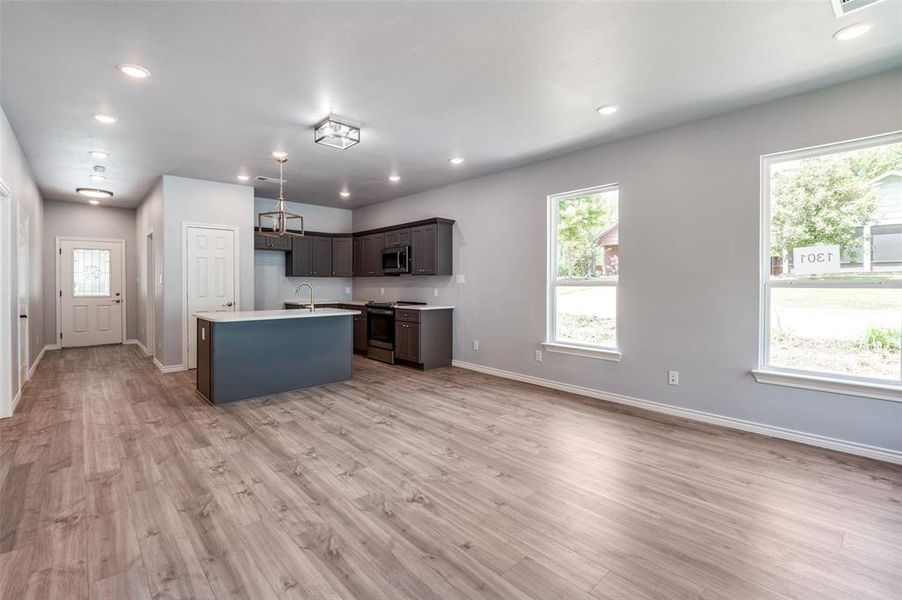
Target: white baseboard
x=875 y=452
x=168 y=368
x=37 y=361
x=138 y=344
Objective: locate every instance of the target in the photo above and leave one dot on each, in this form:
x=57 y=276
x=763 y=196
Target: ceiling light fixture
x=94 y=202
x=457 y=160
x=344 y=194
x=852 y=32
x=394 y=178
x=99 y=154
x=280 y=155
x=276 y=223
x=98 y=173
x=134 y=71
x=105 y=119
x=94 y=192
x=96 y=177
x=243 y=177
x=607 y=110
x=334 y=133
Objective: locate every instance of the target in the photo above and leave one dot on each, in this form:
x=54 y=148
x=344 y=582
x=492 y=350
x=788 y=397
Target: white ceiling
x=501 y=84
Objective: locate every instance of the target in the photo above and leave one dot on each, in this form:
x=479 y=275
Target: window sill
x=584 y=351
x=835 y=385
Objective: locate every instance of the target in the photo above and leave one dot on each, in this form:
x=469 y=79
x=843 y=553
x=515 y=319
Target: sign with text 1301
x=823 y=258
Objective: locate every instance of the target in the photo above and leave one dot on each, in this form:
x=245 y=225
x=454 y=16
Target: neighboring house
x=609 y=241
x=886 y=227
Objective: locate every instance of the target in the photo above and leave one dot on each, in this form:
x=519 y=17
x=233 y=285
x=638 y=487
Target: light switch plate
x=461 y=279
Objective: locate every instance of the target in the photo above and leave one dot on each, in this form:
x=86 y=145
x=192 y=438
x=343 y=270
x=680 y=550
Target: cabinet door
x=280 y=243
x=423 y=249
x=402 y=341
x=359 y=267
x=391 y=239
x=322 y=257
x=342 y=257
x=372 y=254
x=404 y=237
x=261 y=242
x=301 y=263
x=413 y=342
x=360 y=334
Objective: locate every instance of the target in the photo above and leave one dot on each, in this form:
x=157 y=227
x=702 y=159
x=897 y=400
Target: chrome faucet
x=297 y=292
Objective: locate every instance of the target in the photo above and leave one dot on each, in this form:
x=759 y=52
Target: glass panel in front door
x=90 y=272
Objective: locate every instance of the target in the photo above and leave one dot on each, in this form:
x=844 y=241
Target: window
x=91 y=272
x=832 y=266
x=583 y=265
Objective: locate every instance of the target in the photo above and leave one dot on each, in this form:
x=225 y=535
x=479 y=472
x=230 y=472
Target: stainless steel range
x=381 y=329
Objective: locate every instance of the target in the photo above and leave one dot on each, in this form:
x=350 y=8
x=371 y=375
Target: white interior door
x=24 y=278
x=210 y=277
x=90 y=292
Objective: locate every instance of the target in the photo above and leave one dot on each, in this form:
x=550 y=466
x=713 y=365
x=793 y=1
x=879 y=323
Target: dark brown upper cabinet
x=300 y=262
x=264 y=242
x=322 y=257
x=430 y=249
x=371 y=251
x=397 y=237
x=342 y=256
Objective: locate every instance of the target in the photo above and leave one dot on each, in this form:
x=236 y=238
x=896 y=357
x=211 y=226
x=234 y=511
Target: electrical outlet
x=673 y=377
x=461 y=279
x=538 y=355
x=348 y=290
x=475 y=344
x=382 y=291
x=435 y=292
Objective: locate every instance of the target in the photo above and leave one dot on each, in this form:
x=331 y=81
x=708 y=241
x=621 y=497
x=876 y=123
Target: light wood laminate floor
x=120 y=482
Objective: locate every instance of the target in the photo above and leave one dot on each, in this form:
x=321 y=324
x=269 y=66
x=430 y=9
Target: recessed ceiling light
x=105 y=119
x=344 y=194
x=134 y=71
x=456 y=160
x=280 y=154
x=243 y=177
x=852 y=32
x=394 y=178
x=96 y=177
x=94 y=202
x=94 y=193
x=99 y=154
x=608 y=109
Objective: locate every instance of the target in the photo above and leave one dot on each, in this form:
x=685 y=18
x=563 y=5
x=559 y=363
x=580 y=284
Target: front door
x=210 y=277
x=90 y=292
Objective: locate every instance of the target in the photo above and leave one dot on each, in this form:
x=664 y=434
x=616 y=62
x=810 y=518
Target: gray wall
x=18 y=177
x=149 y=220
x=686 y=192
x=209 y=203
x=272 y=287
x=84 y=220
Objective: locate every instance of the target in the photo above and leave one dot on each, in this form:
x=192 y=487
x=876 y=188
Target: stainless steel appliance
x=380 y=329
x=396 y=261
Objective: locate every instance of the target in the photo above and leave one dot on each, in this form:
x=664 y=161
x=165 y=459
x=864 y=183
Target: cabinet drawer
x=410 y=316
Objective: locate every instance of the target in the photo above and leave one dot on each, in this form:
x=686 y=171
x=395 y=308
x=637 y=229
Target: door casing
x=6 y=288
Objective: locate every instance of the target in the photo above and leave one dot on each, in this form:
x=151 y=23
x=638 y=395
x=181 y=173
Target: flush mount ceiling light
x=99 y=154
x=94 y=202
x=852 y=32
x=277 y=223
x=96 y=177
x=394 y=178
x=134 y=71
x=105 y=119
x=457 y=160
x=607 y=110
x=243 y=177
x=330 y=132
x=94 y=192
x=280 y=155
x=98 y=173
x=344 y=194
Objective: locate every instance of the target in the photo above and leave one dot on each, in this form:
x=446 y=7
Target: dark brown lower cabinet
x=360 y=333
x=424 y=337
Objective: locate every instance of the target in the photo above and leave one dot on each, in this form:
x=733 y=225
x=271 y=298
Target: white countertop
x=268 y=315
x=362 y=303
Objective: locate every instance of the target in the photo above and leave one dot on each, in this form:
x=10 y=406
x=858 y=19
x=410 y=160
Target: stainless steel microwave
x=396 y=260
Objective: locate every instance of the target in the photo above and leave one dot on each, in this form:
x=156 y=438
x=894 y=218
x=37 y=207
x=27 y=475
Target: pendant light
x=278 y=223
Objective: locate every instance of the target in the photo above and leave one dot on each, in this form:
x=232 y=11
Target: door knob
x=117 y=300
x=230 y=303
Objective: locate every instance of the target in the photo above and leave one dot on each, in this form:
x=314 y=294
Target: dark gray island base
x=255 y=353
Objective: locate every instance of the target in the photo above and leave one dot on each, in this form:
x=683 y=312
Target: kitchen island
x=254 y=353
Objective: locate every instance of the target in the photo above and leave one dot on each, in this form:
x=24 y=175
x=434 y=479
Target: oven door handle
x=380 y=311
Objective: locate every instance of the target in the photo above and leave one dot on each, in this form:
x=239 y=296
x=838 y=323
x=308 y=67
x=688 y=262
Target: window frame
x=801 y=378
x=551 y=343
